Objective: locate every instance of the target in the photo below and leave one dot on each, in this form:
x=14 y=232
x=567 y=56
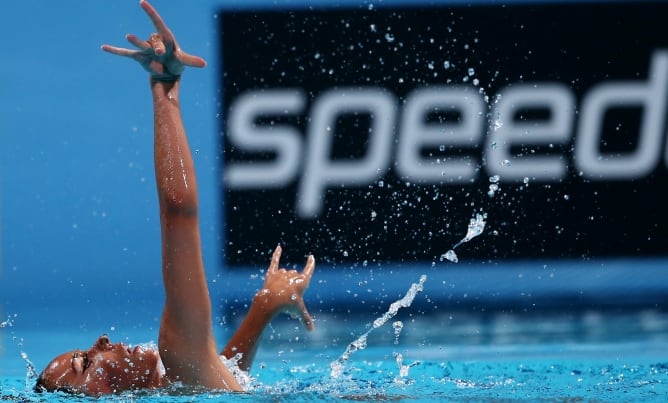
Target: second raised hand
x=285 y=288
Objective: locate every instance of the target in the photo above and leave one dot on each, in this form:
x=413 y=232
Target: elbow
x=174 y=205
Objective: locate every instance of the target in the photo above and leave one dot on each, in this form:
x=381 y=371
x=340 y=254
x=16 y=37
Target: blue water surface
x=553 y=356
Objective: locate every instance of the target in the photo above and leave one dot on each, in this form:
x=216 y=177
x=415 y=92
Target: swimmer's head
x=103 y=369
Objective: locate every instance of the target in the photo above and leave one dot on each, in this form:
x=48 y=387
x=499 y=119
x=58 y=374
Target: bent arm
x=246 y=339
x=282 y=291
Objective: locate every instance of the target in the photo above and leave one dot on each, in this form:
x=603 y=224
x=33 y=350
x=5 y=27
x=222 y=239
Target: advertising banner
x=373 y=135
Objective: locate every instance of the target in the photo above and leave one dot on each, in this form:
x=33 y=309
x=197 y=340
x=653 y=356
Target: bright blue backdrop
x=78 y=194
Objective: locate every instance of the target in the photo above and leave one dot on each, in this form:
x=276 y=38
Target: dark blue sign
x=374 y=135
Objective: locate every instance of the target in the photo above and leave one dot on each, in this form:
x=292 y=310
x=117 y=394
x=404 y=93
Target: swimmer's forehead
x=63 y=360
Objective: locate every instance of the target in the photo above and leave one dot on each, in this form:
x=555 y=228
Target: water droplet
x=398 y=325
x=451 y=256
x=493 y=188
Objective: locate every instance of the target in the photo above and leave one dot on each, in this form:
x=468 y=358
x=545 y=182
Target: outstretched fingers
x=160 y=55
x=168 y=39
x=309 y=268
x=138 y=43
x=287 y=288
x=162 y=28
x=121 y=51
x=189 y=60
x=275 y=260
x=143 y=46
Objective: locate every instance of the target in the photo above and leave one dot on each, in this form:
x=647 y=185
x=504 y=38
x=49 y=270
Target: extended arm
x=186 y=342
x=282 y=291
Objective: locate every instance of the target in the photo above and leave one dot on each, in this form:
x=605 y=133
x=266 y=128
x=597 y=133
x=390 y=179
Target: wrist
x=263 y=303
x=165 y=78
x=165 y=89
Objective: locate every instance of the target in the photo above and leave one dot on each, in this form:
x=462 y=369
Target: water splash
x=31 y=373
x=493 y=185
x=360 y=343
x=244 y=378
x=398 y=325
x=398 y=357
x=403 y=369
x=451 y=256
x=9 y=322
x=475 y=228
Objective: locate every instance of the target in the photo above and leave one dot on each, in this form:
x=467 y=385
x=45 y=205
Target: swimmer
x=187 y=351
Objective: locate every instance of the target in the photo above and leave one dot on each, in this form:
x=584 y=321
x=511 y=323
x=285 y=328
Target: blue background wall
x=78 y=202
x=80 y=234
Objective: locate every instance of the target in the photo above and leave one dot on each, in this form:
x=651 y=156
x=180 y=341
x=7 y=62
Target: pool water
x=554 y=356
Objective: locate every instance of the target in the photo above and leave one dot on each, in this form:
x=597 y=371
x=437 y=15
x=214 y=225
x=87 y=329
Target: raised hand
x=161 y=54
x=283 y=289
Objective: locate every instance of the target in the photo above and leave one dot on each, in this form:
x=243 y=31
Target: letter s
x=245 y=133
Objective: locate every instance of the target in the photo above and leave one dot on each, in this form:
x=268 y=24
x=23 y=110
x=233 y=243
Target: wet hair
x=41 y=386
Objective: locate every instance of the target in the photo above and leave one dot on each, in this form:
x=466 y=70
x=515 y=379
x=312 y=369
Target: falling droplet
x=451 y=256
x=398 y=325
x=493 y=188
